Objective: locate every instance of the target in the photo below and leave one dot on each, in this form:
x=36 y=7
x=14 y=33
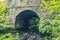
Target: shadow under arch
x=25 y=20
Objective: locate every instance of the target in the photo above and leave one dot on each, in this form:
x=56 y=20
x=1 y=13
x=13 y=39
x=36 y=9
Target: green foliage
x=4 y=19
x=50 y=25
x=50 y=5
x=9 y=36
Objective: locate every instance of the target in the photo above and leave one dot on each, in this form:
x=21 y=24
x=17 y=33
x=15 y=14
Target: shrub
x=4 y=19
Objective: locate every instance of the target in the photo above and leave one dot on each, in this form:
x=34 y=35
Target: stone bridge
x=17 y=6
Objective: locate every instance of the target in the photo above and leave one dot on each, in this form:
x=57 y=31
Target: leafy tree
x=4 y=19
x=50 y=25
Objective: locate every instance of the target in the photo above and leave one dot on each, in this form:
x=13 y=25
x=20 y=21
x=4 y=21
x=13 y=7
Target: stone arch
x=24 y=18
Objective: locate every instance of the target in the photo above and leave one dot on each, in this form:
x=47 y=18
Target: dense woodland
x=48 y=27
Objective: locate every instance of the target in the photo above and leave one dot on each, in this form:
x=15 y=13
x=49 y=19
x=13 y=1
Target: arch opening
x=27 y=20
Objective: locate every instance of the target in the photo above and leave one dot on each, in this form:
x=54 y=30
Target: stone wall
x=16 y=6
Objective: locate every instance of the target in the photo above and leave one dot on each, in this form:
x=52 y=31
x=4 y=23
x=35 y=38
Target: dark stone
x=30 y=37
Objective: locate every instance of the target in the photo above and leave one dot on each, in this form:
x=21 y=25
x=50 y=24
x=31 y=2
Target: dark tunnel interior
x=27 y=20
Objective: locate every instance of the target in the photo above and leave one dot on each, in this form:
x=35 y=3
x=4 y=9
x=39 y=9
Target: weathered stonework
x=16 y=6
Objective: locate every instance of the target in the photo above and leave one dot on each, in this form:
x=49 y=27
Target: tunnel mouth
x=25 y=19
